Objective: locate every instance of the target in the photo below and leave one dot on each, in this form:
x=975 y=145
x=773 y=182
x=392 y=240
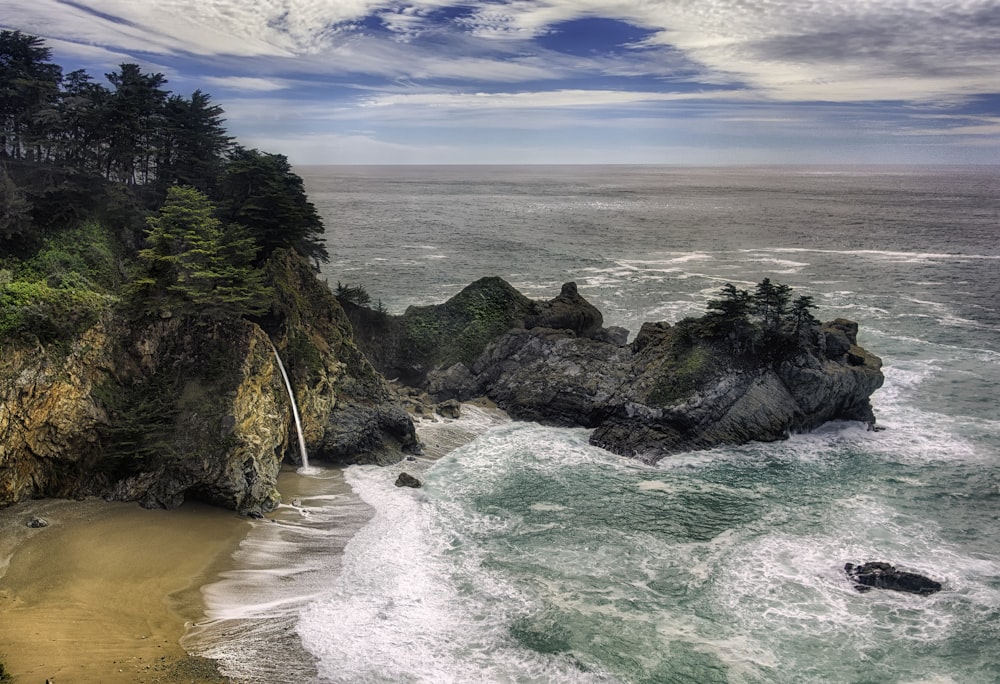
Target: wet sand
x=104 y=592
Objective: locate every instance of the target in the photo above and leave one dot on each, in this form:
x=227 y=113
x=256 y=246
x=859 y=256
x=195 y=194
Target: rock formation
x=674 y=388
x=880 y=575
x=162 y=410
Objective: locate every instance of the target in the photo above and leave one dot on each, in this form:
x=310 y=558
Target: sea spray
x=295 y=408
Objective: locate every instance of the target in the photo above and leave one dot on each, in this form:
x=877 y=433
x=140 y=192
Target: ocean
x=531 y=556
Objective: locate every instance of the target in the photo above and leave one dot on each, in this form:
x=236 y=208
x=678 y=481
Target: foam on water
x=530 y=556
x=412 y=604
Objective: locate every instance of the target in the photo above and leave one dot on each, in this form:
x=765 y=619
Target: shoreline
x=107 y=590
x=112 y=592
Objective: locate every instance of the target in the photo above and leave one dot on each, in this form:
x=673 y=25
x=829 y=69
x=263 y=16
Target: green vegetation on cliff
x=147 y=266
x=121 y=192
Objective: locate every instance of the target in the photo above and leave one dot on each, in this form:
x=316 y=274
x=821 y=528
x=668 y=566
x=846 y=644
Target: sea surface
x=531 y=556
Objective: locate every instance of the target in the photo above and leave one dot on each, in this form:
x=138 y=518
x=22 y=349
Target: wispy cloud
x=538 y=64
x=247 y=83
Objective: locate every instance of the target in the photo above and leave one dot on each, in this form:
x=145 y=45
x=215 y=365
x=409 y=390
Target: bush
x=83 y=257
x=34 y=310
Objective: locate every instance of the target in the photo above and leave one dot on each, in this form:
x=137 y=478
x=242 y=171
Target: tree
x=801 y=314
x=134 y=115
x=82 y=138
x=192 y=143
x=260 y=191
x=770 y=302
x=29 y=86
x=195 y=266
x=15 y=210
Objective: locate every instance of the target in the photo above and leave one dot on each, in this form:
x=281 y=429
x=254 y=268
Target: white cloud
x=247 y=83
x=540 y=99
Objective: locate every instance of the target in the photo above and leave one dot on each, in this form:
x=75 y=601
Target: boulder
x=450 y=408
x=881 y=575
x=36 y=523
x=407 y=480
x=568 y=311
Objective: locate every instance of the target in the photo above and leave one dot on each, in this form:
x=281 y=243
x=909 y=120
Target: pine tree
x=260 y=191
x=196 y=267
x=801 y=314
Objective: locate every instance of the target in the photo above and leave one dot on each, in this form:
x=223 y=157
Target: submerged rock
x=881 y=575
x=36 y=523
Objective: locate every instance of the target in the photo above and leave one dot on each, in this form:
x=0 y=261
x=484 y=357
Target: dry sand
x=103 y=594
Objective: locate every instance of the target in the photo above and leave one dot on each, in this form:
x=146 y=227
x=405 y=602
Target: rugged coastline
x=694 y=384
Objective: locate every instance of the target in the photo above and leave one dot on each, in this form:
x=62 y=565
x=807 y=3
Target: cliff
x=160 y=410
x=674 y=388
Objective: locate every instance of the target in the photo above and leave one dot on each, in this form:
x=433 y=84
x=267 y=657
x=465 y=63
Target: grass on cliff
x=461 y=328
x=685 y=367
x=62 y=289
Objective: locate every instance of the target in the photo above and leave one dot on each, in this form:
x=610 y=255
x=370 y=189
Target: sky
x=695 y=82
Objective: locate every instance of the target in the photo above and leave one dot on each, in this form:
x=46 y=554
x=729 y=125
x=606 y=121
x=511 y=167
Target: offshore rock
x=407 y=480
x=675 y=388
x=176 y=408
x=881 y=575
x=426 y=338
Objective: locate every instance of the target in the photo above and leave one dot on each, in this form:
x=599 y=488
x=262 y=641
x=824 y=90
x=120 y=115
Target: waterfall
x=295 y=408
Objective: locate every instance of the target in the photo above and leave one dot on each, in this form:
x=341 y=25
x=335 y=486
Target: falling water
x=295 y=408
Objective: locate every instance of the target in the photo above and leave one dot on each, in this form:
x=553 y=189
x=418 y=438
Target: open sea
x=531 y=556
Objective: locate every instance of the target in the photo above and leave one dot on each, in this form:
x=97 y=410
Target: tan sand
x=104 y=592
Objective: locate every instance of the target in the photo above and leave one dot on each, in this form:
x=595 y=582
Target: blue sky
x=564 y=81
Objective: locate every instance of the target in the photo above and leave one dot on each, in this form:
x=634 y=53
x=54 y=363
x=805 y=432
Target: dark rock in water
x=690 y=385
x=407 y=480
x=38 y=522
x=880 y=575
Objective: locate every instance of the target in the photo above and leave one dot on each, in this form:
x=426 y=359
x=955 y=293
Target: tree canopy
x=196 y=267
x=750 y=321
x=260 y=191
x=61 y=136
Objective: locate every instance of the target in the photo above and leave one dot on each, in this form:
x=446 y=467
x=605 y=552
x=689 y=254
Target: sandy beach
x=104 y=592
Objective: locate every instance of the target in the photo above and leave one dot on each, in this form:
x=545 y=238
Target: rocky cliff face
x=671 y=390
x=174 y=408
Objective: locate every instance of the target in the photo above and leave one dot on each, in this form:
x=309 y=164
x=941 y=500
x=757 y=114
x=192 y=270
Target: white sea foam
x=412 y=603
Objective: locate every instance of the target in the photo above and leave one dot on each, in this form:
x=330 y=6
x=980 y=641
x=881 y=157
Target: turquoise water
x=530 y=556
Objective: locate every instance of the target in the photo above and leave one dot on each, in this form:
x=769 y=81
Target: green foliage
x=5 y=677
x=461 y=328
x=32 y=310
x=686 y=366
x=83 y=257
x=260 y=191
x=141 y=418
x=195 y=267
x=15 y=210
x=29 y=88
x=355 y=294
x=761 y=322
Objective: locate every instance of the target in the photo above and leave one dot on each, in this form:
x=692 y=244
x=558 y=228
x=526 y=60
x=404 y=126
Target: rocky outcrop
x=880 y=575
x=407 y=480
x=425 y=338
x=177 y=408
x=675 y=388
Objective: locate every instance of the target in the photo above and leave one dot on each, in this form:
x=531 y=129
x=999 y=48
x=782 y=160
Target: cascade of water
x=295 y=408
